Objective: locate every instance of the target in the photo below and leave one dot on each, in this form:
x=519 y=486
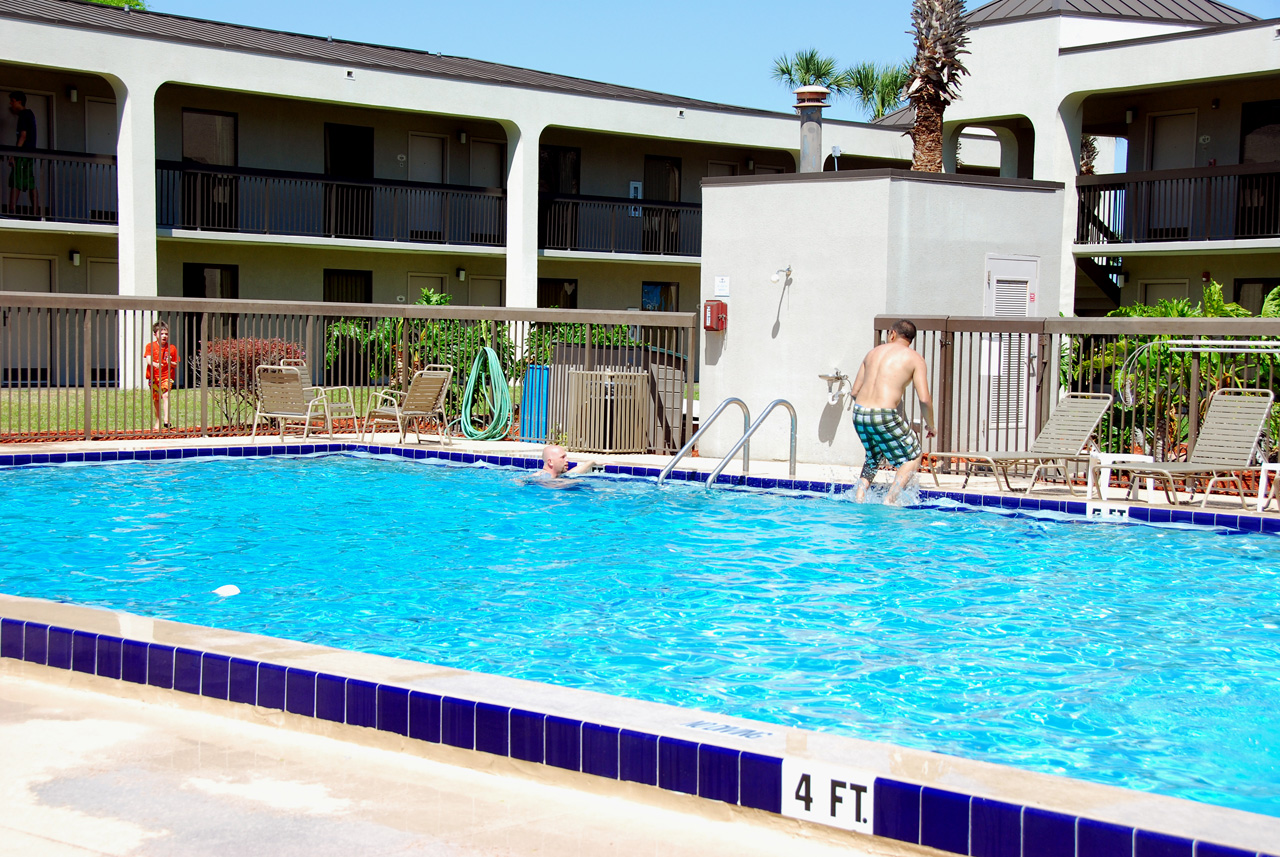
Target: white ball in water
x=227 y=591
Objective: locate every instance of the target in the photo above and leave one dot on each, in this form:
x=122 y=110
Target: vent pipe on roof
x=809 y=104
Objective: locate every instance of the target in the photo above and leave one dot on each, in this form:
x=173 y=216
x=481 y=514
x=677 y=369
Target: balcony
x=1209 y=204
x=62 y=187
x=272 y=202
x=601 y=224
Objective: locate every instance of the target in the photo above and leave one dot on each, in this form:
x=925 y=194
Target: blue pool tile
x=1202 y=519
x=526 y=735
x=300 y=692
x=1249 y=524
x=271 y=685
x=108 y=665
x=1159 y=516
x=1076 y=508
x=754 y=482
x=35 y=643
x=638 y=757
x=393 y=709
x=11 y=638
x=1181 y=516
x=678 y=765
x=1271 y=525
x=1205 y=849
x=362 y=703
x=60 y=648
x=600 y=750
x=424 y=716
x=1229 y=521
x=215 y=676
x=760 y=782
x=21 y=459
x=93 y=456
x=84 y=652
x=186 y=671
x=73 y=457
x=718 y=773
x=563 y=742
x=897 y=810
x=204 y=452
x=57 y=458
x=1047 y=834
x=160 y=666
x=293 y=450
x=133 y=661
x=458 y=723
x=331 y=697
x=242 y=681
x=1053 y=506
x=492 y=723
x=1099 y=839
x=39 y=458
x=944 y=820
x=995 y=829
x=1149 y=844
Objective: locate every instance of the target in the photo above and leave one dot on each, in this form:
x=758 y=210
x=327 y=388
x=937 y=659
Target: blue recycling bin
x=535 y=402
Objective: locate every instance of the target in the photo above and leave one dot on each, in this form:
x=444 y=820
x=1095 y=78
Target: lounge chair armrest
x=385 y=397
x=332 y=391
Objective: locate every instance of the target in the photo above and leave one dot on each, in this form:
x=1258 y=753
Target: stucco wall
x=858 y=247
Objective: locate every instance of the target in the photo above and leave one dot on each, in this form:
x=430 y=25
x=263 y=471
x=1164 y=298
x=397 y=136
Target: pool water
x=1137 y=656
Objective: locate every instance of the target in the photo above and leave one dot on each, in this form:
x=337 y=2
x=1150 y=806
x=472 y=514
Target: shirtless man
x=877 y=391
x=555 y=463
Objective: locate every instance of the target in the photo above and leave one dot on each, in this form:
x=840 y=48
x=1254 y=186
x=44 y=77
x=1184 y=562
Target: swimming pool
x=1136 y=656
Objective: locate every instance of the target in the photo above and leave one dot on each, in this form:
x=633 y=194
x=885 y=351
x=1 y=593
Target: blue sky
x=713 y=50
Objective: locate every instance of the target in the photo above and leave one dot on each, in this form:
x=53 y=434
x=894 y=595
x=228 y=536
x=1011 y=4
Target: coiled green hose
x=497 y=396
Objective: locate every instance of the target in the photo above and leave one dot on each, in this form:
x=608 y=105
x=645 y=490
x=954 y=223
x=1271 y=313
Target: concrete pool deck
x=352 y=768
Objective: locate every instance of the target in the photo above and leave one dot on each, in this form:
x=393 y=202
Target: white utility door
x=1008 y=359
x=418 y=282
x=485 y=292
x=100 y=126
x=488 y=164
x=426 y=158
x=24 y=333
x=426 y=207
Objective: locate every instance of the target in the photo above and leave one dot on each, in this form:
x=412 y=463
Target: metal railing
x=1209 y=204
x=608 y=225
x=71 y=366
x=272 y=202
x=66 y=187
x=995 y=381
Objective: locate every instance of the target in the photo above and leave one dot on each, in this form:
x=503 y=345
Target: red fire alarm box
x=715 y=315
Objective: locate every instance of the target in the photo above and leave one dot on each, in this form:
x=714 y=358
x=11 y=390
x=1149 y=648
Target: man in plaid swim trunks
x=877 y=391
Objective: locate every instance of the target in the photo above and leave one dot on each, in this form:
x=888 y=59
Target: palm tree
x=879 y=88
x=809 y=68
x=941 y=34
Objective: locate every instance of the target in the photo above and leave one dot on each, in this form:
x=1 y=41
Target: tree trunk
x=926 y=135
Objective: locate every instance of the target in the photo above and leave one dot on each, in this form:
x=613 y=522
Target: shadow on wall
x=829 y=422
x=715 y=346
x=777 y=319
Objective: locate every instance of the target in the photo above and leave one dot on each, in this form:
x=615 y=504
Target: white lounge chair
x=426 y=396
x=283 y=397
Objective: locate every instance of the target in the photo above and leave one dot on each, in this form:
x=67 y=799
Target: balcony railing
x=66 y=187
x=601 y=224
x=270 y=202
x=1210 y=204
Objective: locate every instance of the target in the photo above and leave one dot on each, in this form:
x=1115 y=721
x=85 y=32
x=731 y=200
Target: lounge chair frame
x=426 y=397
x=337 y=404
x=1063 y=439
x=283 y=397
x=1225 y=448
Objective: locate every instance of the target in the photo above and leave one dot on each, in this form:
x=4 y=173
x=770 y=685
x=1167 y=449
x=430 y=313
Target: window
x=661 y=178
x=348 y=287
x=217 y=282
x=209 y=138
x=1260 y=132
x=559 y=170
x=557 y=293
x=660 y=297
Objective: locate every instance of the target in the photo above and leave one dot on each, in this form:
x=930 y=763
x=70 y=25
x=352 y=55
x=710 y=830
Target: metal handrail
x=747 y=437
x=746 y=451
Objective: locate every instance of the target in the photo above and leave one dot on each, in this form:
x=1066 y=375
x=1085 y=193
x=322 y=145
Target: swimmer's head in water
x=555 y=458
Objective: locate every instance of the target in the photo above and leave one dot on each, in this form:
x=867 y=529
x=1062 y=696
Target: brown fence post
x=404 y=352
x=87 y=379
x=946 y=388
x=204 y=374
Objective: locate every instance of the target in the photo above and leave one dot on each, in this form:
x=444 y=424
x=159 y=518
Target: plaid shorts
x=886 y=436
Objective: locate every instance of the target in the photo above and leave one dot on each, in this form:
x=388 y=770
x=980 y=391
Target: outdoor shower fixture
x=781 y=274
x=836 y=382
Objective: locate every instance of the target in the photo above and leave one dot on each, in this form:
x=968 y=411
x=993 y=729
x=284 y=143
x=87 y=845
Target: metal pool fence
x=72 y=368
x=996 y=381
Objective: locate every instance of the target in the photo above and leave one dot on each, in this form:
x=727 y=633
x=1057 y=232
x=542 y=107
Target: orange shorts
x=160 y=387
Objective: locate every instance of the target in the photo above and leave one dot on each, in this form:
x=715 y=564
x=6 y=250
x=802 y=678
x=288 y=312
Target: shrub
x=232 y=365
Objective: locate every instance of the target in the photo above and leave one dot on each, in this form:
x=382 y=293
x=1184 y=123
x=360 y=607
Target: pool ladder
x=744 y=442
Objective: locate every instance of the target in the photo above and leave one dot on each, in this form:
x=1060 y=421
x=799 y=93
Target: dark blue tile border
x=35 y=643
x=393 y=709
x=944 y=820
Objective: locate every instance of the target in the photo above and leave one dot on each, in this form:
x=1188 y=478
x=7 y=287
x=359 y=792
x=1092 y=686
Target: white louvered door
x=1008 y=358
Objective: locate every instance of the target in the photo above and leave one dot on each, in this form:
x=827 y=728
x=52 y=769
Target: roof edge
x=1071 y=13
x=1170 y=37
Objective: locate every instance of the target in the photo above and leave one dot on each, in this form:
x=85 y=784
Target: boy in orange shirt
x=160 y=365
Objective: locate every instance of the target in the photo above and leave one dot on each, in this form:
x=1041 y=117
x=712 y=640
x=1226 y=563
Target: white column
x=136 y=175
x=522 y=213
x=1058 y=157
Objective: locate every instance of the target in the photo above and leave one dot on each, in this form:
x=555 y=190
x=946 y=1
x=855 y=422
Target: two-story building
x=1191 y=89
x=187 y=157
